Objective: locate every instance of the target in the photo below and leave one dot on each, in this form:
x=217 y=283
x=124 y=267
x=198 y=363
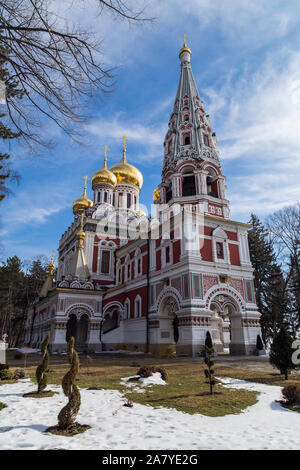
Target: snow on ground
x=266 y=425
x=154 y=379
x=28 y=351
x=122 y=351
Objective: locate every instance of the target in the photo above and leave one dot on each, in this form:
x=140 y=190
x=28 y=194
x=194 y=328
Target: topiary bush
x=150 y=370
x=209 y=372
x=67 y=416
x=41 y=371
x=41 y=374
x=291 y=394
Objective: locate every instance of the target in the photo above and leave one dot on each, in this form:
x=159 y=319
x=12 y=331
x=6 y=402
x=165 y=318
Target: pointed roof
x=189 y=116
x=48 y=283
x=78 y=266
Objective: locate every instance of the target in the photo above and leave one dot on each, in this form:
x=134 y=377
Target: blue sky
x=246 y=62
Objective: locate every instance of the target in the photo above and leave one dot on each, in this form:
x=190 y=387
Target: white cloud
x=261 y=111
x=247 y=23
x=148 y=138
x=34 y=206
x=257 y=118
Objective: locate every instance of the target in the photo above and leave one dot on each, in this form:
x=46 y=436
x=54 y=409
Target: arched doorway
x=78 y=327
x=226 y=324
x=82 y=332
x=111 y=321
x=169 y=323
x=71 y=327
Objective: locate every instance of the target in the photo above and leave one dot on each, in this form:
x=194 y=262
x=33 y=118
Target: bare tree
x=284 y=228
x=56 y=66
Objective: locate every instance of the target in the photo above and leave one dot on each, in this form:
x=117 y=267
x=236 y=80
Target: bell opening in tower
x=188 y=185
x=169 y=194
x=212 y=187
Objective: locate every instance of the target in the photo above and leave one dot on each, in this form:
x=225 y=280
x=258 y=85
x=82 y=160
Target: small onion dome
x=156 y=195
x=83 y=202
x=141 y=213
x=184 y=48
x=104 y=176
x=126 y=173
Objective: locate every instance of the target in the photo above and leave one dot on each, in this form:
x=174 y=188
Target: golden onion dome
x=184 y=48
x=126 y=173
x=104 y=176
x=83 y=202
x=141 y=213
x=156 y=195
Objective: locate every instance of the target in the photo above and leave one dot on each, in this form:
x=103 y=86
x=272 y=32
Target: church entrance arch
x=169 y=323
x=226 y=323
x=78 y=326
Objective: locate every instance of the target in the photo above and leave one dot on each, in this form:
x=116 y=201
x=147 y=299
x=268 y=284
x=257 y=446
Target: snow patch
x=154 y=379
x=29 y=351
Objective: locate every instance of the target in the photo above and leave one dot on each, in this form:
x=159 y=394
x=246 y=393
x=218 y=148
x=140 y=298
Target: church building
x=157 y=282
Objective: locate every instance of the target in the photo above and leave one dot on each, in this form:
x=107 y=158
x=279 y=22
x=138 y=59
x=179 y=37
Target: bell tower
x=192 y=172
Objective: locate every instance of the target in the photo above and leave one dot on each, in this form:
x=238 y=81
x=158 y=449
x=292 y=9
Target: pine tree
x=18 y=289
x=209 y=372
x=293 y=294
x=281 y=352
x=276 y=302
x=268 y=279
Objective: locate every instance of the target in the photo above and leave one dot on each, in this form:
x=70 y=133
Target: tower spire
x=124 y=138
x=48 y=283
x=78 y=266
x=189 y=133
x=85 y=185
x=105 y=155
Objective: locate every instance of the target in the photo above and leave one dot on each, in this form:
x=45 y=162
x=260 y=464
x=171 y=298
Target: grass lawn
x=186 y=390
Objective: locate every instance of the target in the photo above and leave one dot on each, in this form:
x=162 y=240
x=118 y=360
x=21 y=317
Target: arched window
x=127 y=309
x=105 y=196
x=138 y=262
x=206 y=140
x=105 y=261
x=138 y=307
x=127 y=268
x=186 y=139
x=128 y=200
x=212 y=185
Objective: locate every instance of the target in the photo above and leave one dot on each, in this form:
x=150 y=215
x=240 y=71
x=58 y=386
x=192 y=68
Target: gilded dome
x=126 y=173
x=156 y=195
x=104 y=176
x=185 y=48
x=83 y=202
